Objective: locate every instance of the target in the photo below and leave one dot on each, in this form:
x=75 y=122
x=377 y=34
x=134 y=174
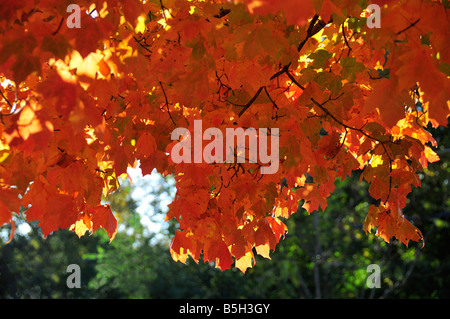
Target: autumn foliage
x=81 y=105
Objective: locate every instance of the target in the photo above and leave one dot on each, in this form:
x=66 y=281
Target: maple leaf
x=371 y=219
x=218 y=251
x=391 y=224
x=350 y=67
x=102 y=217
x=296 y=12
x=82 y=225
x=9 y=203
x=88 y=42
x=245 y=262
x=180 y=246
x=145 y=145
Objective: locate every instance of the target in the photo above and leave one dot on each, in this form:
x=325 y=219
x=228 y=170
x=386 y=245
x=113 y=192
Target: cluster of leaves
x=324 y=255
x=79 y=106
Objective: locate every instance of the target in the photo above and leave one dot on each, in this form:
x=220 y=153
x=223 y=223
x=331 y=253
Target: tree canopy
x=87 y=93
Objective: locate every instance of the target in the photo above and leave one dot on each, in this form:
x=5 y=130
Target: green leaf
x=356 y=24
x=445 y=68
x=383 y=73
x=57 y=45
x=320 y=58
x=198 y=48
x=350 y=67
x=24 y=66
x=425 y=39
x=329 y=81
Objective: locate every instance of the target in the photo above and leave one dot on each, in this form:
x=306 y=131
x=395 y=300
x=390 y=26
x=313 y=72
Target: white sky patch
x=142 y=194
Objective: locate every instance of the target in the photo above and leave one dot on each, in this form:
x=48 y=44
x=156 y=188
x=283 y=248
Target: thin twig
x=141 y=45
x=247 y=105
x=291 y=77
x=59 y=26
x=408 y=27
x=390 y=178
x=345 y=39
x=270 y=98
x=12 y=111
x=313 y=28
x=343 y=124
x=308 y=32
x=7 y=101
x=284 y=69
x=167 y=103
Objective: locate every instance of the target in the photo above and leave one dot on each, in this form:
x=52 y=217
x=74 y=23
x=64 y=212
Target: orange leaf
x=218 y=251
x=296 y=12
x=180 y=246
x=104 y=68
x=371 y=220
x=279 y=229
x=145 y=145
x=263 y=250
x=407 y=232
x=9 y=203
x=102 y=217
x=379 y=189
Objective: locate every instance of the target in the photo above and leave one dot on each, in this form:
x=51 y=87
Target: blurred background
x=324 y=255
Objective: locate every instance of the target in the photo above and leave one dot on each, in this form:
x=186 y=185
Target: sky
x=142 y=194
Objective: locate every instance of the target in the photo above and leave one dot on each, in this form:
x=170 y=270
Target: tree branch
x=291 y=77
x=284 y=69
x=7 y=101
x=12 y=111
x=142 y=45
x=313 y=28
x=167 y=102
x=328 y=113
x=59 y=27
x=246 y=106
x=346 y=41
x=408 y=27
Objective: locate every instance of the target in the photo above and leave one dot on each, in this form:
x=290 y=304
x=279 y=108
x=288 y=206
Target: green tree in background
x=34 y=267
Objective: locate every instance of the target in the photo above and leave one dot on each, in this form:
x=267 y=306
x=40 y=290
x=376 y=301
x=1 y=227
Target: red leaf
x=218 y=251
x=145 y=146
x=60 y=212
x=87 y=42
x=279 y=229
x=102 y=217
x=63 y=93
x=9 y=203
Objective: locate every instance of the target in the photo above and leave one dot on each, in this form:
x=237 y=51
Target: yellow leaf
x=244 y=262
x=263 y=250
x=79 y=228
x=140 y=26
